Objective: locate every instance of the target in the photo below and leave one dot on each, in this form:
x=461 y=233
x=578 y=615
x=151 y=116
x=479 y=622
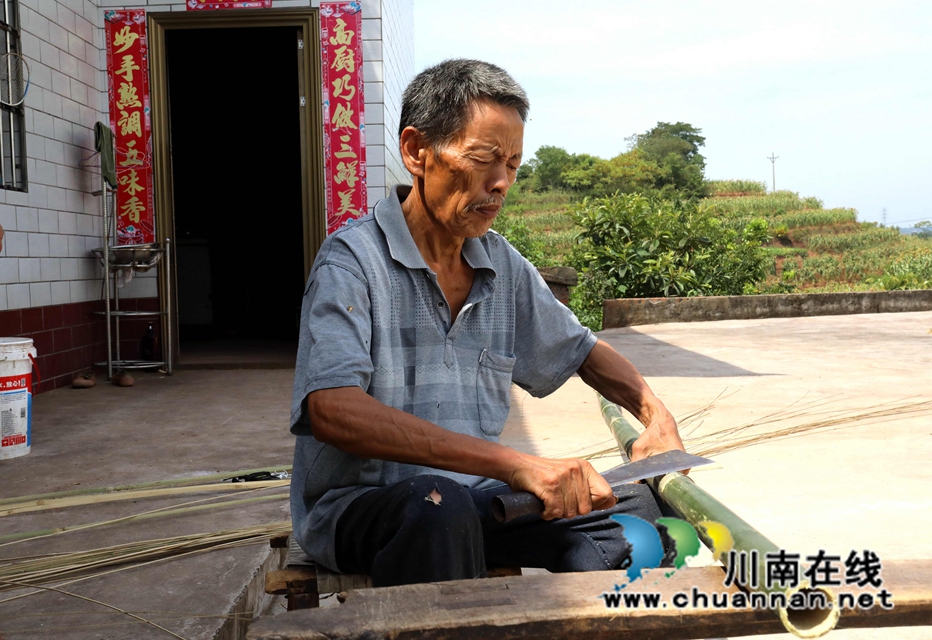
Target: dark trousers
x=399 y=535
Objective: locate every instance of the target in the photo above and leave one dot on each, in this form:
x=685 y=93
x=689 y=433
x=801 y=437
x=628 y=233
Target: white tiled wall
x=51 y=229
x=397 y=72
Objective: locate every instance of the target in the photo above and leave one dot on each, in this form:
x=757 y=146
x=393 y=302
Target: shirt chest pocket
x=493 y=386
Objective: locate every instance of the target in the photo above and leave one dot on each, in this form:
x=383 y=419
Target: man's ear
x=413 y=151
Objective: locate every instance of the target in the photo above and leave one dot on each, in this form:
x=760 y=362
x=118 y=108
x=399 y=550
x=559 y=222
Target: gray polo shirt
x=375 y=317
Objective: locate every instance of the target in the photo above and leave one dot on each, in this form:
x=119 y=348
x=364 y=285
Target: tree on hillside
x=545 y=169
x=625 y=173
x=675 y=150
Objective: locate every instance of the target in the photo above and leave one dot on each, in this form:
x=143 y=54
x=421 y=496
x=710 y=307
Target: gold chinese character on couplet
x=346 y=172
x=132 y=208
x=344 y=59
x=132 y=155
x=126 y=68
x=127 y=96
x=341 y=35
x=343 y=89
x=130 y=123
x=346 y=151
x=130 y=182
x=124 y=38
x=346 y=203
x=343 y=117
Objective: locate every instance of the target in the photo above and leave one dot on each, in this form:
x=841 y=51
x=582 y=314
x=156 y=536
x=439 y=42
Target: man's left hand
x=660 y=433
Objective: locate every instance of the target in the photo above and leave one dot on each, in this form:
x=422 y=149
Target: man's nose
x=498 y=180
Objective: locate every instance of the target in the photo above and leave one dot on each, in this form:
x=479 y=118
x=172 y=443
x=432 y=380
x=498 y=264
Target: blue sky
x=840 y=91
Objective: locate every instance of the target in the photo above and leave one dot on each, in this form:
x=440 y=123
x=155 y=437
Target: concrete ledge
x=559 y=279
x=626 y=312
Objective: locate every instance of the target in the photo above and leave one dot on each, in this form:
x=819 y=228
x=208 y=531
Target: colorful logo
x=648 y=548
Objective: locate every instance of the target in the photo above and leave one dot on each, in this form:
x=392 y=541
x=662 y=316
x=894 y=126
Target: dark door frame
x=307 y=24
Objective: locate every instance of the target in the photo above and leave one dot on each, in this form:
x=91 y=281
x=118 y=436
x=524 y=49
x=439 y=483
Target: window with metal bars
x=12 y=125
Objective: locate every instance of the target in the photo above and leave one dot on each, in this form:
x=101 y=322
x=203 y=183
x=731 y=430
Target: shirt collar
x=401 y=246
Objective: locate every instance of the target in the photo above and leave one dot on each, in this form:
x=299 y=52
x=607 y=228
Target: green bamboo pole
x=695 y=506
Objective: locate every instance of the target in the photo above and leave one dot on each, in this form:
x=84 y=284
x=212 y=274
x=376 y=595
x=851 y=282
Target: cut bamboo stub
x=695 y=505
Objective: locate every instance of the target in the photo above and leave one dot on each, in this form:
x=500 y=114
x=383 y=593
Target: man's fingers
x=606 y=502
x=553 y=506
x=583 y=497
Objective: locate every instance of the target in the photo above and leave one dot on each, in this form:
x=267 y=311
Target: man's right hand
x=568 y=488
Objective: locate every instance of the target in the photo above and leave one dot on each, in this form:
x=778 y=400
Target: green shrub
x=635 y=247
x=515 y=230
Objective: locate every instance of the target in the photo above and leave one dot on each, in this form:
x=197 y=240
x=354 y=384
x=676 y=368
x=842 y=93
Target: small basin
x=137 y=256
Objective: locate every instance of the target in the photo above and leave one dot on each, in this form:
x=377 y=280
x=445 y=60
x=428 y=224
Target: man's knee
x=441 y=503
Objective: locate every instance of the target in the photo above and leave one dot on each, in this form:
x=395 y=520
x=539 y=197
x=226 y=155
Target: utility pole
x=884 y=216
x=773 y=160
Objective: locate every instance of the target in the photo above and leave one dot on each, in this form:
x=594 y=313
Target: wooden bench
x=568 y=605
x=303 y=580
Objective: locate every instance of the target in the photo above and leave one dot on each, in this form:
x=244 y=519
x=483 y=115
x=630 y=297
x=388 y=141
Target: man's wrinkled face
x=466 y=181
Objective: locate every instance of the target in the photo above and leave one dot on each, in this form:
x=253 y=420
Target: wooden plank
x=291 y=580
x=570 y=605
x=327 y=581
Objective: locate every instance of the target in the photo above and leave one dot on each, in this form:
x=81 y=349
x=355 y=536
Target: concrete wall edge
x=624 y=312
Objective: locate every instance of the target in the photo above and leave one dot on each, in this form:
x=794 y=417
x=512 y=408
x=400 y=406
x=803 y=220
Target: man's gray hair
x=437 y=101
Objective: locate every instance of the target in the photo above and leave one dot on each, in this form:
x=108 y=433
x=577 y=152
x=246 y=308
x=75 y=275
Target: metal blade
x=658 y=465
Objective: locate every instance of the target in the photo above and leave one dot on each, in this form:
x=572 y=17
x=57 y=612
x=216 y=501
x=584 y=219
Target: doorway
x=236 y=171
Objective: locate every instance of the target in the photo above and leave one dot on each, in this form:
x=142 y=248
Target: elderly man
x=416 y=321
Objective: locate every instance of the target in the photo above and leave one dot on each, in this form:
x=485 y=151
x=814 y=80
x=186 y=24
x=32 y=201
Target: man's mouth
x=488 y=208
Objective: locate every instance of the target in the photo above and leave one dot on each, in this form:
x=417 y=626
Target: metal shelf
x=135 y=258
x=132 y=314
x=132 y=364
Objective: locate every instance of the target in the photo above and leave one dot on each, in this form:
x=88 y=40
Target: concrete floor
x=866 y=487
x=237 y=354
x=195 y=422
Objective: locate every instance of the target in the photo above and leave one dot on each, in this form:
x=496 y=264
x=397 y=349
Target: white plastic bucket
x=16 y=356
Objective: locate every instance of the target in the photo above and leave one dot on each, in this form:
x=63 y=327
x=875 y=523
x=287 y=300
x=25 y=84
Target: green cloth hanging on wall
x=103 y=142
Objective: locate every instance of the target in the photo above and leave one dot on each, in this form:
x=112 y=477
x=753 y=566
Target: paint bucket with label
x=17 y=356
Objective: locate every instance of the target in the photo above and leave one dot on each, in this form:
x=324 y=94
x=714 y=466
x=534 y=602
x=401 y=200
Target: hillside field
x=812 y=249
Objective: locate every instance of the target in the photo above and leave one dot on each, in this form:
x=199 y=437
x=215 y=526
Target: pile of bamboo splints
x=31 y=574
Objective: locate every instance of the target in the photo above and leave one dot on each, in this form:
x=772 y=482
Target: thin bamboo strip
x=15 y=538
x=246 y=617
x=30 y=506
x=167 y=615
x=728 y=439
x=177 y=482
x=49 y=569
x=130 y=563
x=103 y=604
x=273 y=529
